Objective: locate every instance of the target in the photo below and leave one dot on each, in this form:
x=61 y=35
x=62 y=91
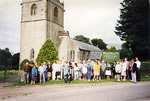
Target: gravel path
x=80 y=92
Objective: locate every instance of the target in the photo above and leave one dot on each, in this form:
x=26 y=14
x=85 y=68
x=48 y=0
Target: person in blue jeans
x=89 y=69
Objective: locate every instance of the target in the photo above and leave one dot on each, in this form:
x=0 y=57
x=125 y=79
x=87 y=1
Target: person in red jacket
x=26 y=73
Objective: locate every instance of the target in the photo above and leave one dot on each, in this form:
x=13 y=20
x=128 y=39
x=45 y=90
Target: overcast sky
x=91 y=18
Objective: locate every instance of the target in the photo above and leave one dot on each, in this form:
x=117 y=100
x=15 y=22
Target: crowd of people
x=86 y=70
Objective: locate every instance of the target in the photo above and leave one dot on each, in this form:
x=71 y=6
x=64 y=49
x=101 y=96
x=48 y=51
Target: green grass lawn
x=8 y=74
x=145 y=69
x=61 y=82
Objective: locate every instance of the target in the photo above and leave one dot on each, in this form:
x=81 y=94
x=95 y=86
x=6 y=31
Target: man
x=26 y=73
x=128 y=72
x=103 y=65
x=134 y=70
x=42 y=75
x=138 y=75
x=45 y=68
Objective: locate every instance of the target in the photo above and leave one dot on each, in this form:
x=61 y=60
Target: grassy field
x=61 y=82
x=145 y=69
x=10 y=73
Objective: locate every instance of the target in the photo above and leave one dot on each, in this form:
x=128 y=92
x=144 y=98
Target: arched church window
x=55 y=12
x=32 y=54
x=33 y=9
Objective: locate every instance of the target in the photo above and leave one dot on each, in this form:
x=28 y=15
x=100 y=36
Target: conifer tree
x=47 y=53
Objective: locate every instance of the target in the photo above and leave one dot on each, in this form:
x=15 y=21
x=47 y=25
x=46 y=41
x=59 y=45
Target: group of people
x=86 y=70
x=124 y=69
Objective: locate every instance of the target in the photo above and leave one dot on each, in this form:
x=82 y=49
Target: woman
x=118 y=70
x=84 y=71
x=89 y=69
x=129 y=70
x=123 y=70
x=49 y=71
x=76 y=72
x=113 y=69
x=80 y=65
x=108 y=70
x=96 y=71
x=34 y=75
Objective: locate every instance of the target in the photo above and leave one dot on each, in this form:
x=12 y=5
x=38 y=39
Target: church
x=44 y=19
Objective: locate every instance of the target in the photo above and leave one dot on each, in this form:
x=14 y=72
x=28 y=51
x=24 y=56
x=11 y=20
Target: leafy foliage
x=82 y=39
x=47 y=53
x=133 y=25
x=125 y=52
x=100 y=43
x=5 y=57
x=112 y=48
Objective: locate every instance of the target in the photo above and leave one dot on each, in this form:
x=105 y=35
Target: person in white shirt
x=42 y=69
x=57 y=70
x=128 y=72
x=118 y=70
x=76 y=72
x=54 y=66
x=138 y=74
x=84 y=71
x=80 y=65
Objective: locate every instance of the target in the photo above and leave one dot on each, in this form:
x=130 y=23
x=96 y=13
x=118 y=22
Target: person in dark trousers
x=113 y=69
x=134 y=70
x=68 y=77
x=129 y=70
x=138 y=73
x=49 y=71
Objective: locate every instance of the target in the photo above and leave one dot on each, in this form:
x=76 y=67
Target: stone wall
x=65 y=48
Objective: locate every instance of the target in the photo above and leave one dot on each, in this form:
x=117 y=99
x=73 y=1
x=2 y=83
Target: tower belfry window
x=33 y=9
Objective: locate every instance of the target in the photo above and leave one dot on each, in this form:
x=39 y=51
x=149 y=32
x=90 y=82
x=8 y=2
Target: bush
x=145 y=68
x=47 y=53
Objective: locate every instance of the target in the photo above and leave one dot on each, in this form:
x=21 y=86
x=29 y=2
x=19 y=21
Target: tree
x=82 y=39
x=15 y=60
x=47 y=53
x=112 y=48
x=99 y=43
x=132 y=27
x=5 y=57
x=125 y=52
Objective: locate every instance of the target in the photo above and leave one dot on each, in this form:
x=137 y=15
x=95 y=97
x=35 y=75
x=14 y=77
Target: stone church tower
x=41 y=19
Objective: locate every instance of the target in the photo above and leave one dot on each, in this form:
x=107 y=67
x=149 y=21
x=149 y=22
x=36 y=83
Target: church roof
x=94 y=55
x=85 y=46
x=94 y=51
